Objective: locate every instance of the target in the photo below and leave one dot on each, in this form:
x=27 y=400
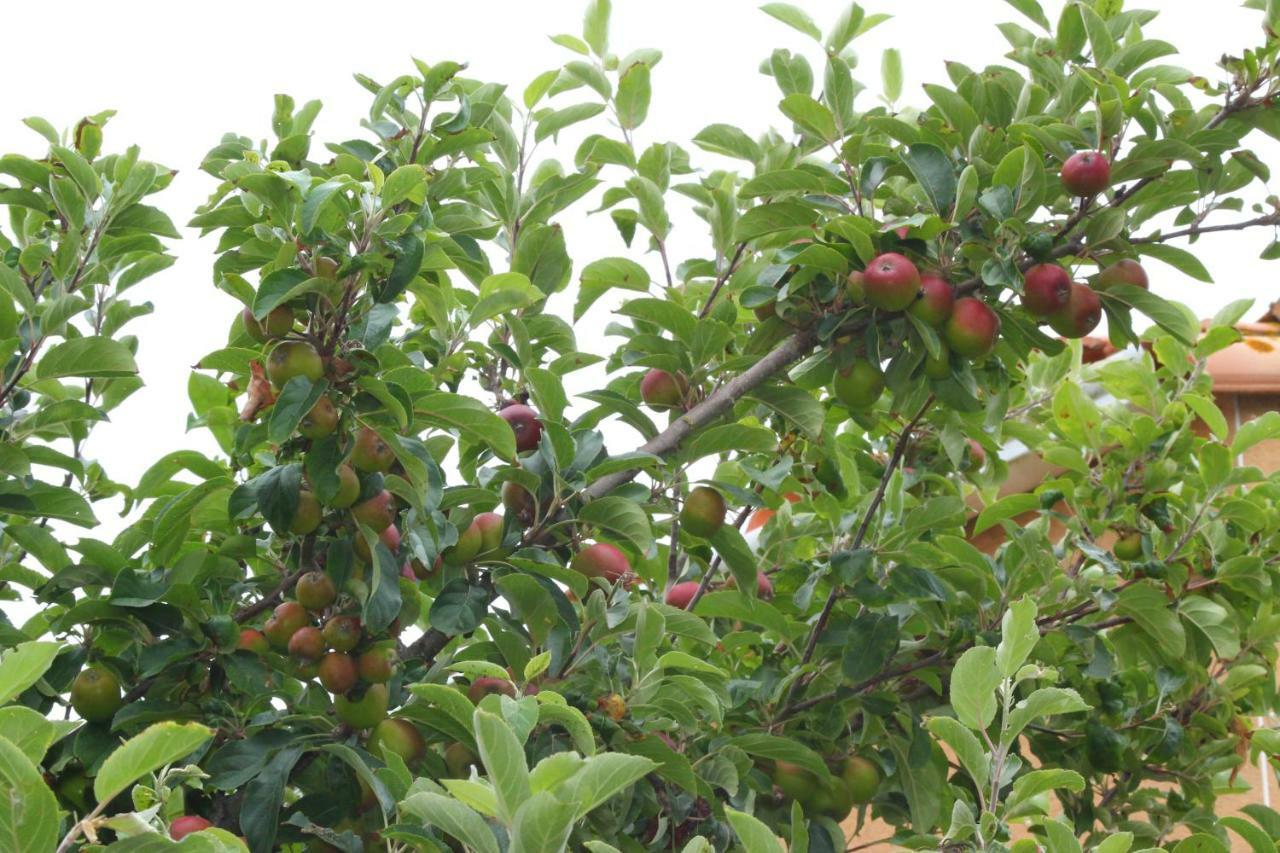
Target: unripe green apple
x=315 y=590
x=891 y=282
x=940 y=367
x=364 y=711
x=601 y=560
x=794 y=781
x=399 y=736
x=308 y=515
x=95 y=694
x=276 y=324
x=855 y=287
x=370 y=453
x=832 y=799
x=858 y=386
x=457 y=758
x=972 y=329
x=703 y=512
x=467 y=548
x=1128 y=546
x=862 y=775
x=348 y=488
x=321 y=421
x=294 y=358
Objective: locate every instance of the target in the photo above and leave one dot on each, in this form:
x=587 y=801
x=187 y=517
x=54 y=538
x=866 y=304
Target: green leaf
x=605 y=274
x=452 y=818
x=502 y=293
x=572 y=721
x=623 y=518
x=298 y=397
x=91 y=356
x=317 y=198
x=28 y=809
x=503 y=758
x=782 y=749
x=795 y=404
x=973 y=687
x=1149 y=608
x=24 y=665
x=1173 y=318
x=1178 y=258
x=29 y=731
x=728 y=437
x=1044 y=702
x=551 y=123
x=1031 y=9
x=753 y=834
x=935 y=174
x=1036 y=782
x=1018 y=636
x=632 y=101
x=454 y=704
x=771 y=218
x=470 y=417
x=966 y=746
x=954 y=109
x=794 y=18
x=595 y=26
x=403 y=183
x=727 y=140
x=605 y=775
x=1250 y=433
x=543 y=822
x=158 y=745
x=1004 y=509
x=891 y=73
x=810 y=116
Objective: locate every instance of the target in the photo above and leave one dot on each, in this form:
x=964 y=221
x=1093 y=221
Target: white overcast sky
x=181 y=74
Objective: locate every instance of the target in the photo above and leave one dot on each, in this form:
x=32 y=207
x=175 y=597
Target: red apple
x=891 y=282
x=1086 y=173
x=972 y=329
x=1046 y=288
x=525 y=424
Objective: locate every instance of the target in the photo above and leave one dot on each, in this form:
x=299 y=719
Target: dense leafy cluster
x=453 y=583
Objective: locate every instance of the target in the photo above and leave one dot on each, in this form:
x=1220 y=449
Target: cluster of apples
x=855 y=782
x=967 y=326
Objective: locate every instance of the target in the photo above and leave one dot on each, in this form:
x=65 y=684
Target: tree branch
x=720 y=401
x=1196 y=230
x=899 y=450
x=721 y=279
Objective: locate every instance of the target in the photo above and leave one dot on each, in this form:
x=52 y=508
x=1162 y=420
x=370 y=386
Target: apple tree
x=454 y=583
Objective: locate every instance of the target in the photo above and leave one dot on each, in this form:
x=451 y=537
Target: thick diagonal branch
x=721 y=400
